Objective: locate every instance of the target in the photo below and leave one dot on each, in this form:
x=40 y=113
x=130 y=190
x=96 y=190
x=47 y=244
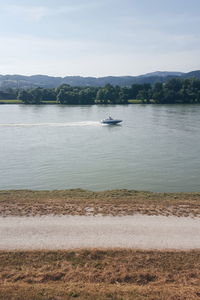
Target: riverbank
x=99 y=274
x=16 y=101
x=83 y=202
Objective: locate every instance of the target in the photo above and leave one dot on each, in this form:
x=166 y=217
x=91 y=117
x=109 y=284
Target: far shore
x=16 y=101
x=84 y=202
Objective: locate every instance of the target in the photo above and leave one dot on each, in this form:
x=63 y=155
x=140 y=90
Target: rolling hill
x=20 y=81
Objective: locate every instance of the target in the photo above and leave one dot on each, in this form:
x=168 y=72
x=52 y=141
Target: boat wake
x=66 y=124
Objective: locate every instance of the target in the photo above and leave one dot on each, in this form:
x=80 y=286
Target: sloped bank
x=100 y=274
x=83 y=202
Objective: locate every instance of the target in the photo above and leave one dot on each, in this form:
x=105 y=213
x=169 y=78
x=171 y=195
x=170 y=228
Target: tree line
x=176 y=90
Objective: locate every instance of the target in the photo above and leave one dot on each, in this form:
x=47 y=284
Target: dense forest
x=175 y=90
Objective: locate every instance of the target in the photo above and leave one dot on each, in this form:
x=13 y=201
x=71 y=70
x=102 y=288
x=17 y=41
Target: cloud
x=29 y=13
x=92 y=40
x=27 y=55
x=37 y=13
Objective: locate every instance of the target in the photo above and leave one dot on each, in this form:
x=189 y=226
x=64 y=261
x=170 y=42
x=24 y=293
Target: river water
x=157 y=147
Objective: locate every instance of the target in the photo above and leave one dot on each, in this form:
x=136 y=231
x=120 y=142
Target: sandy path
x=67 y=232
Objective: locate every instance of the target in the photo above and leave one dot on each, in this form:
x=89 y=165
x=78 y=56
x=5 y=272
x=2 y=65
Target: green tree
x=101 y=96
x=123 y=95
x=23 y=95
x=158 y=92
x=145 y=93
x=35 y=95
x=60 y=96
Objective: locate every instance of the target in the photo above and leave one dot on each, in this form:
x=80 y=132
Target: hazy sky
x=98 y=37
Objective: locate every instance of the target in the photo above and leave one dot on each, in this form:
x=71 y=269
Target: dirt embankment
x=99 y=274
x=81 y=202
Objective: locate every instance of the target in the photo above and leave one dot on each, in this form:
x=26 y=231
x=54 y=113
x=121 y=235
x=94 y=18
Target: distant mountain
x=20 y=81
x=162 y=74
x=193 y=74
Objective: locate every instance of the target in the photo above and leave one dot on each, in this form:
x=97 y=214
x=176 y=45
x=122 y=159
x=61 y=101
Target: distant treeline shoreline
x=175 y=90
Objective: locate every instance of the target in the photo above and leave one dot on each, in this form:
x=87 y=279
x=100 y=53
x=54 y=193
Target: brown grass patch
x=99 y=274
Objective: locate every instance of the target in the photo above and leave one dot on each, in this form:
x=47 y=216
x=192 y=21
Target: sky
x=99 y=37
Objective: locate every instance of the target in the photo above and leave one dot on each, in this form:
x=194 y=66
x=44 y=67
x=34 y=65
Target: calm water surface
x=156 y=148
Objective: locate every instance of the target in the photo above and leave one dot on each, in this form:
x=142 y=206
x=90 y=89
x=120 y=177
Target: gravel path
x=68 y=232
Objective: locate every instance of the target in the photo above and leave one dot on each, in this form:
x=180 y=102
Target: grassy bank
x=136 y=101
x=15 y=101
x=83 y=202
x=100 y=274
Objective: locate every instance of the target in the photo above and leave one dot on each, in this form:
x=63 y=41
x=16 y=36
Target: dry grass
x=100 y=274
x=82 y=202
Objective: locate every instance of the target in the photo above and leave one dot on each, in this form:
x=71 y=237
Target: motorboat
x=111 y=121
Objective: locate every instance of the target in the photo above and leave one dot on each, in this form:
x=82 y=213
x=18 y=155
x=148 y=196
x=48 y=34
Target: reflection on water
x=58 y=147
